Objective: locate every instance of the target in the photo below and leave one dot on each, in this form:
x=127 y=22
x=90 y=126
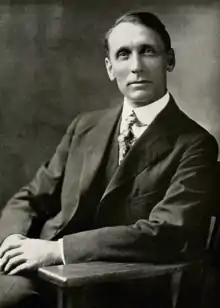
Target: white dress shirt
x=145 y=115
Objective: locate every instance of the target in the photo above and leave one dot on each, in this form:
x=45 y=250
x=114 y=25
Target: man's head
x=139 y=54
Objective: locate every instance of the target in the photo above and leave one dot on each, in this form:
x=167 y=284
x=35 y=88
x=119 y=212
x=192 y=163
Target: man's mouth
x=139 y=82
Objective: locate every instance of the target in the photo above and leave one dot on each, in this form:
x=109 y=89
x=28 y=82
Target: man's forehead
x=128 y=33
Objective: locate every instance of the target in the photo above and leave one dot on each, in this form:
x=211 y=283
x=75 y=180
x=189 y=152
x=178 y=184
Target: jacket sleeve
x=175 y=226
x=25 y=212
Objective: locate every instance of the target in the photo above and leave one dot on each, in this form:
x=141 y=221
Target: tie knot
x=131 y=119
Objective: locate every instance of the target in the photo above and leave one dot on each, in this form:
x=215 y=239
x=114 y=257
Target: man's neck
x=135 y=105
x=146 y=114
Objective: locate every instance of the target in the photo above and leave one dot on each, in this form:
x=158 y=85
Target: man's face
x=139 y=63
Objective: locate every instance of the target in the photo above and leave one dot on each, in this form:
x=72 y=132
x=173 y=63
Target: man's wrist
x=60 y=243
x=54 y=252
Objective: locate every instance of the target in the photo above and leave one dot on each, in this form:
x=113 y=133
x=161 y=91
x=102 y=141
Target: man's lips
x=139 y=82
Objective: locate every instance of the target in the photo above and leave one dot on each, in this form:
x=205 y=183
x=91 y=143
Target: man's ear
x=109 y=69
x=171 y=60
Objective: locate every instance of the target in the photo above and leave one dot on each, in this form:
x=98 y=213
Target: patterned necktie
x=126 y=139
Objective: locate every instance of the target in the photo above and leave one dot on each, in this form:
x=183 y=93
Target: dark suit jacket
x=155 y=208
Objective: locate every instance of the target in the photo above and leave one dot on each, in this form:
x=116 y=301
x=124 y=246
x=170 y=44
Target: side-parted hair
x=146 y=19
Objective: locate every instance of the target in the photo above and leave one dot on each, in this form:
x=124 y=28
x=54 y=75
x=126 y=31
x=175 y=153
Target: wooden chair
x=188 y=279
x=67 y=278
x=191 y=286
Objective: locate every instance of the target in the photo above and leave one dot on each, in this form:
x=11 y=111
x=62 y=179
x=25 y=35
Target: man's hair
x=146 y=19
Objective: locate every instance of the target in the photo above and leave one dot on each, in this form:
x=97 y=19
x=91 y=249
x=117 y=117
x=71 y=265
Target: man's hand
x=18 y=253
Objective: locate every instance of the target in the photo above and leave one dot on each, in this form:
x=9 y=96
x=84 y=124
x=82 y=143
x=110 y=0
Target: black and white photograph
x=109 y=154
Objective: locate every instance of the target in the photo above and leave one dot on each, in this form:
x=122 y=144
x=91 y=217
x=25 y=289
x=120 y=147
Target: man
x=130 y=183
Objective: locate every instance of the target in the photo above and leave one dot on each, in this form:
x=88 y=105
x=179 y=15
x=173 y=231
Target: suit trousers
x=21 y=292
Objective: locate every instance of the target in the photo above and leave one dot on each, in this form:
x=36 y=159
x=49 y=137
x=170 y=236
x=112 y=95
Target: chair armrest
x=79 y=274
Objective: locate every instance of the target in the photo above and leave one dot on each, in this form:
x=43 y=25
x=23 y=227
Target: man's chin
x=141 y=100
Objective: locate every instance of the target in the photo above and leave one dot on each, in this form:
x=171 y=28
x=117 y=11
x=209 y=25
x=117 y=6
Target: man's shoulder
x=189 y=125
x=91 y=116
x=87 y=120
x=191 y=131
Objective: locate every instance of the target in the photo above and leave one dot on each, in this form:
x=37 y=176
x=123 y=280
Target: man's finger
x=11 y=241
x=19 y=268
x=9 y=246
x=10 y=254
x=14 y=262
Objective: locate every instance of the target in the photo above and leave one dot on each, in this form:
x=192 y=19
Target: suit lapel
x=85 y=164
x=156 y=141
x=97 y=141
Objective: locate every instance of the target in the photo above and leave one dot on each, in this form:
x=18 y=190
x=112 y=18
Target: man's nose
x=136 y=63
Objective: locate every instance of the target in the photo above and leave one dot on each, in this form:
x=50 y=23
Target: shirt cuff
x=60 y=242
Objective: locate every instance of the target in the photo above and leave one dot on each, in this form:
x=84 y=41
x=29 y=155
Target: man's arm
x=174 y=225
x=37 y=201
x=26 y=212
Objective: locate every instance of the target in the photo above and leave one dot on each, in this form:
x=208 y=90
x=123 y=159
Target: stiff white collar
x=146 y=114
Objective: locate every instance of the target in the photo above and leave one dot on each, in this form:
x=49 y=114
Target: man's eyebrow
x=143 y=45
x=122 y=48
x=148 y=45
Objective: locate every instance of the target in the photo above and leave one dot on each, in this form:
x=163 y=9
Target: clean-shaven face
x=138 y=62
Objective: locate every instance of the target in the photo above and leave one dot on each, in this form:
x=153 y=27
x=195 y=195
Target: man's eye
x=148 y=51
x=123 y=54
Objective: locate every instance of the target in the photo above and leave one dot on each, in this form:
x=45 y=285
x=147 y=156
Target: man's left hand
x=28 y=254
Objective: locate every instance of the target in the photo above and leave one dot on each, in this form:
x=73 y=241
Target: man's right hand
x=9 y=241
x=20 y=253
